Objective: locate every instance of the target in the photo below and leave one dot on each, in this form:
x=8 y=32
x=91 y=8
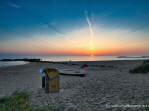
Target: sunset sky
x=74 y=27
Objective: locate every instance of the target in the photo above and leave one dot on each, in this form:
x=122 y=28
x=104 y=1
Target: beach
x=107 y=86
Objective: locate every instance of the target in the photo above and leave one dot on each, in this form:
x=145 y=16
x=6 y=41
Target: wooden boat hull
x=73 y=72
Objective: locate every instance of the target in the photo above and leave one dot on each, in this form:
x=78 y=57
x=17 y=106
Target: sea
x=58 y=58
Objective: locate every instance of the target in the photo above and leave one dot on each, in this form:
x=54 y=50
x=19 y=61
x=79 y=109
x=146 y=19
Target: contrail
x=44 y=22
x=91 y=32
x=51 y=27
x=16 y=6
x=68 y=39
x=47 y=41
x=90 y=28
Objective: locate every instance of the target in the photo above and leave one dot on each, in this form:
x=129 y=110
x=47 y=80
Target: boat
x=74 y=72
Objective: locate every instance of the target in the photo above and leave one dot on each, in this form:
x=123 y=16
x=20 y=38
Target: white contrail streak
x=65 y=37
x=91 y=32
x=90 y=28
x=47 y=41
x=68 y=39
x=14 y=5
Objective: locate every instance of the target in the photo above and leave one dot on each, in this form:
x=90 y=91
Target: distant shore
x=105 y=84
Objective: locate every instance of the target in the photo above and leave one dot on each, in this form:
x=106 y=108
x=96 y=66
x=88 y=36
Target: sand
x=106 y=87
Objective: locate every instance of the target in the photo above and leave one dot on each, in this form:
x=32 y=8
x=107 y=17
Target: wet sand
x=107 y=86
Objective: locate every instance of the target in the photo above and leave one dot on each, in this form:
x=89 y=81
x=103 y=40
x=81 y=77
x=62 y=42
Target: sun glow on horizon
x=91 y=32
x=102 y=45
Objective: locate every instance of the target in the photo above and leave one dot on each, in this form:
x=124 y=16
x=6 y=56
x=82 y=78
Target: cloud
x=91 y=31
x=68 y=39
x=90 y=28
x=46 y=41
x=16 y=6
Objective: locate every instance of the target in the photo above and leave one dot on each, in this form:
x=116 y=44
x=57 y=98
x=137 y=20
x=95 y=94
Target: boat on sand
x=74 y=72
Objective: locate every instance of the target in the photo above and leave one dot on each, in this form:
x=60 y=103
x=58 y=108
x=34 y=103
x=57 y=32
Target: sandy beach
x=107 y=86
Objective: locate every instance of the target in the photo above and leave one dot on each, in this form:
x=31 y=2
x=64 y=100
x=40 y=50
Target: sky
x=74 y=27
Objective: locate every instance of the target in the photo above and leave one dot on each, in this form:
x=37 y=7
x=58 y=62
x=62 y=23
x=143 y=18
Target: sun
x=92 y=55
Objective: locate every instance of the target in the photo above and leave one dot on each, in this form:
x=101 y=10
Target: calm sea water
x=11 y=63
x=60 y=58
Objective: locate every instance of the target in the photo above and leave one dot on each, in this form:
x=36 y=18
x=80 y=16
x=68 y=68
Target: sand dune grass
x=19 y=101
x=144 y=68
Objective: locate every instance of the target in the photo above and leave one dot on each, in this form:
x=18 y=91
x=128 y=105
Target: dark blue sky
x=25 y=18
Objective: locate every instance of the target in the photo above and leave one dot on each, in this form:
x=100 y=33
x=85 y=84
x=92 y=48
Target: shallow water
x=11 y=63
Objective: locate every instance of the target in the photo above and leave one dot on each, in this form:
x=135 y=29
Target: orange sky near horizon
x=74 y=27
x=104 y=42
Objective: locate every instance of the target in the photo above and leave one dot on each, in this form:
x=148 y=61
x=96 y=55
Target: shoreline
x=99 y=88
x=70 y=63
